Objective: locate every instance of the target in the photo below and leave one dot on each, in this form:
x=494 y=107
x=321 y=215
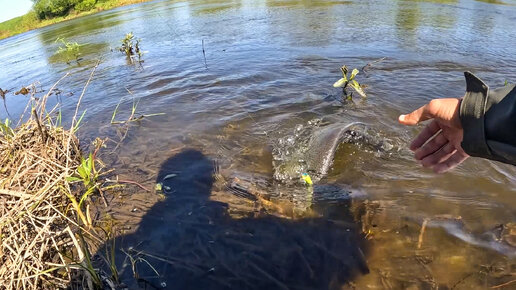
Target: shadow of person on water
x=188 y=241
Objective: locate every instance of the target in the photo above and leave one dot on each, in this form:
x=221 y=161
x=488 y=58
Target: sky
x=13 y=8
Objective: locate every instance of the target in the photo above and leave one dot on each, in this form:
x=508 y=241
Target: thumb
x=416 y=116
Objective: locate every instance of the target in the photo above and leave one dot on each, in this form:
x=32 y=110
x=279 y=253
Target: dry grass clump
x=39 y=213
x=34 y=209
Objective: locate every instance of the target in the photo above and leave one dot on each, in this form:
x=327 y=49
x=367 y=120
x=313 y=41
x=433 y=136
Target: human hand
x=438 y=145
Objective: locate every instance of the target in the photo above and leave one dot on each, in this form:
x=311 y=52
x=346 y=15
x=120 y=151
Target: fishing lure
x=306 y=178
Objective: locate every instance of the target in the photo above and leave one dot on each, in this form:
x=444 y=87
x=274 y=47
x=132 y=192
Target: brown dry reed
x=40 y=224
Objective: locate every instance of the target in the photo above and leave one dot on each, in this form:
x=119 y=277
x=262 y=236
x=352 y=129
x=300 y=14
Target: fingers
x=438 y=145
x=427 y=133
x=416 y=116
x=444 y=110
x=441 y=155
x=431 y=147
x=450 y=163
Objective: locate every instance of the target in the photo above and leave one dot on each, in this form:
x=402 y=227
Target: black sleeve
x=488 y=118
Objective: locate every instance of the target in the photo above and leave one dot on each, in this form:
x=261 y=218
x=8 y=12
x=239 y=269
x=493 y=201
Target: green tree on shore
x=47 y=12
x=46 y=9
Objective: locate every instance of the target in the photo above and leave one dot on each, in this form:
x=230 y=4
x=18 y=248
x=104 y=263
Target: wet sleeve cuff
x=472 y=113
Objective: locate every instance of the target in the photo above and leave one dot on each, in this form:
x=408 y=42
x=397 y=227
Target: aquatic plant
x=133 y=116
x=90 y=177
x=124 y=125
x=69 y=50
x=131 y=47
x=5 y=129
x=86 y=171
x=350 y=81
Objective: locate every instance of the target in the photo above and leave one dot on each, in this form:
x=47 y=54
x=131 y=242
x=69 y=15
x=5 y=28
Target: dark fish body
x=313 y=152
x=322 y=148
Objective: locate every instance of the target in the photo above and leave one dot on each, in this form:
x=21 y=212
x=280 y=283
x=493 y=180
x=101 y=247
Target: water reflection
x=414 y=18
x=304 y=3
x=214 y=6
x=321 y=20
x=494 y=2
x=408 y=20
x=70 y=29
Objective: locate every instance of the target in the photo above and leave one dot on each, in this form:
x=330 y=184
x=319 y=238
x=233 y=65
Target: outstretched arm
x=482 y=124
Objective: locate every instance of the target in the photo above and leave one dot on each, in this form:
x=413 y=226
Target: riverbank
x=52 y=187
x=30 y=20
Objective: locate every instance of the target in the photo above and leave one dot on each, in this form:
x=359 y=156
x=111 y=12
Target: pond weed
x=131 y=47
x=350 y=81
x=68 y=50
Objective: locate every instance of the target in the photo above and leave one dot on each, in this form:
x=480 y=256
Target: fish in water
x=311 y=149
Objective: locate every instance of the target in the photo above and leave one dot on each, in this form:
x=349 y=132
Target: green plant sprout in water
x=6 y=129
x=69 y=50
x=133 y=116
x=90 y=177
x=350 y=81
x=131 y=47
x=124 y=124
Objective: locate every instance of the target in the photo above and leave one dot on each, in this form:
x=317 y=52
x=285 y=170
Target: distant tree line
x=46 y=9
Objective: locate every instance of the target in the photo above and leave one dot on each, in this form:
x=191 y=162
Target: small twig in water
x=365 y=67
x=421 y=233
x=204 y=54
x=103 y=197
x=462 y=280
x=504 y=284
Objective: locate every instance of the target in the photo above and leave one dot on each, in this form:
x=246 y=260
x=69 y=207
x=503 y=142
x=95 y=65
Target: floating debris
x=24 y=91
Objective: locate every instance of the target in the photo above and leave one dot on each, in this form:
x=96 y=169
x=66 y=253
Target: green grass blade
x=76 y=127
x=115 y=112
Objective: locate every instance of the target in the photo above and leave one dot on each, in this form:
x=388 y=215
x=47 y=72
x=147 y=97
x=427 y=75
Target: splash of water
x=311 y=148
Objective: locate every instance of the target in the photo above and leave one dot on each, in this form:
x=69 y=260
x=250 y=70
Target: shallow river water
x=269 y=67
